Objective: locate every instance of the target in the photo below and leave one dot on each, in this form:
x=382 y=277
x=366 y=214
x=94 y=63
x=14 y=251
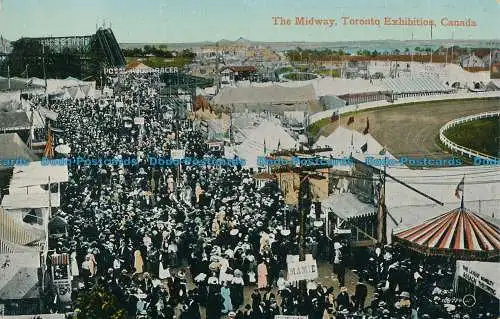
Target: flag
x=367 y=127
x=279 y=145
x=364 y=148
x=460 y=188
x=49 y=150
x=265 y=148
x=351 y=120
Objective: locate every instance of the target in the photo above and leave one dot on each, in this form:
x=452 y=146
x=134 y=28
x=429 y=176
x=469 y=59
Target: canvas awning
x=36 y=174
x=347 y=206
x=29 y=201
x=23 y=285
x=51 y=115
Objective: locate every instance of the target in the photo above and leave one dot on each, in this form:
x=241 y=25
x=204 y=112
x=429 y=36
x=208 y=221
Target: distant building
x=229 y=74
x=472 y=61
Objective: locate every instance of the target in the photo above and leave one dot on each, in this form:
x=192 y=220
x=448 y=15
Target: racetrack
x=412 y=129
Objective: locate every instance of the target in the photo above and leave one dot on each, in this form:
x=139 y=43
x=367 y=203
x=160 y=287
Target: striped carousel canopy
x=459 y=232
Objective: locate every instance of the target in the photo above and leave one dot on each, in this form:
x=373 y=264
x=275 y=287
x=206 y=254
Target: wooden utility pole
x=382 y=212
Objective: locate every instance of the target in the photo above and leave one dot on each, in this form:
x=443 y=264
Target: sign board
x=177 y=154
x=139 y=120
x=290 y=317
x=341 y=231
x=481 y=274
x=302 y=270
x=119 y=104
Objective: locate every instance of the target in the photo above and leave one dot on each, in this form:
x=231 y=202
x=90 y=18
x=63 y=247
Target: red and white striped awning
x=457 y=230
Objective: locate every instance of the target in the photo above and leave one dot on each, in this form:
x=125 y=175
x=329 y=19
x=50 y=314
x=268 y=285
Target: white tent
x=270 y=133
x=345 y=141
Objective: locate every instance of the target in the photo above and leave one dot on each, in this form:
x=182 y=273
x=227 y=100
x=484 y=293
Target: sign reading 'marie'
x=302 y=270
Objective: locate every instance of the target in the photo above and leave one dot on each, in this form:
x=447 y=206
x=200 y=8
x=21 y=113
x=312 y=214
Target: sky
x=173 y=21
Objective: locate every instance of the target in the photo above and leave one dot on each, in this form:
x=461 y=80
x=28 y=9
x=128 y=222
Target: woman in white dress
x=224 y=265
x=74 y=265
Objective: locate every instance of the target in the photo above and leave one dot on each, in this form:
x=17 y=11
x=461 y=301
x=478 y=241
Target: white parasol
x=63 y=149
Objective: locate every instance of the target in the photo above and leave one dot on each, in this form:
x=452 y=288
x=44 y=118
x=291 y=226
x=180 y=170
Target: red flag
x=460 y=188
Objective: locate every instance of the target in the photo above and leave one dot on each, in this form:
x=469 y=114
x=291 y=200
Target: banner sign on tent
x=290 y=317
x=480 y=274
x=302 y=270
x=139 y=120
x=177 y=154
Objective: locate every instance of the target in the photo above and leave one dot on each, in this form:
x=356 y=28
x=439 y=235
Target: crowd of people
x=186 y=241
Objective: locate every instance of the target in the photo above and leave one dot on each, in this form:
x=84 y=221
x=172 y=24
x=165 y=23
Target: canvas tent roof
x=13 y=148
x=37 y=174
x=334 y=86
x=51 y=115
x=253 y=145
x=28 y=201
x=14 y=121
x=416 y=84
x=265 y=95
x=23 y=285
x=340 y=141
x=460 y=231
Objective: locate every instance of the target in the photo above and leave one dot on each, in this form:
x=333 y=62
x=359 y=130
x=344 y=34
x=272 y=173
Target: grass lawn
x=315 y=127
x=480 y=135
x=284 y=70
x=332 y=73
x=299 y=76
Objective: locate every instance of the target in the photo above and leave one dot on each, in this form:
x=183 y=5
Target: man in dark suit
x=360 y=294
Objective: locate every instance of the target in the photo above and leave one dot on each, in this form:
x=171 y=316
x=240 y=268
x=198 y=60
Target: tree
x=99 y=303
x=407 y=50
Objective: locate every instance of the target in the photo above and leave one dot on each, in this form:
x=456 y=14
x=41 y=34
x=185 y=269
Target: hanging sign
x=302 y=270
x=177 y=154
x=139 y=120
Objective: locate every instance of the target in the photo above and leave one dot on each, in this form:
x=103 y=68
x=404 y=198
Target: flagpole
x=463 y=191
x=8 y=75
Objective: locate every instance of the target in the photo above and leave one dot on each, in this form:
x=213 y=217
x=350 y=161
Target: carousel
x=460 y=233
x=471 y=240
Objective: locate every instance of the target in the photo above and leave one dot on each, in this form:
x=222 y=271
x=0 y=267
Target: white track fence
x=313 y=118
x=461 y=149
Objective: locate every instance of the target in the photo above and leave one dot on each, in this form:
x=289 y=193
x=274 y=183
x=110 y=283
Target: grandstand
x=274 y=98
x=418 y=86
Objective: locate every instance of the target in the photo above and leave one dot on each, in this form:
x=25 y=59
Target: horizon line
x=306 y=41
